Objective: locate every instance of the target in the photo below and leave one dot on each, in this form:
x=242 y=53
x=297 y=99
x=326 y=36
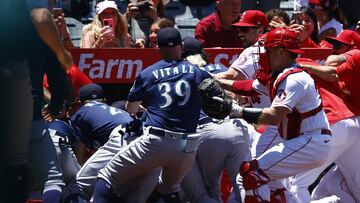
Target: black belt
x=163 y=133
x=325 y=132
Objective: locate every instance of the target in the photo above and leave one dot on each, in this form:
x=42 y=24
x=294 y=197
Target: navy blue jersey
x=169 y=88
x=214 y=68
x=94 y=121
x=63 y=129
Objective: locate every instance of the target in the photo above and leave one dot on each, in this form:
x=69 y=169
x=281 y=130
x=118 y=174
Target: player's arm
x=327 y=73
x=265 y=116
x=47 y=31
x=335 y=60
x=134 y=107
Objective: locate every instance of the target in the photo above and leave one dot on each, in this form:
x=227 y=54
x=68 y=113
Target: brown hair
x=120 y=31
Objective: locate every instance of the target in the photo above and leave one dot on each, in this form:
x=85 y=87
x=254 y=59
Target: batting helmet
x=283 y=38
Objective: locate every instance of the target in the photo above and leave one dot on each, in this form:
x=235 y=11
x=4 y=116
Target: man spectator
x=215 y=30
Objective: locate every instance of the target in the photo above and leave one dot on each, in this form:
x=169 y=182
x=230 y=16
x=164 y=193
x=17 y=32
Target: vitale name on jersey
x=170 y=71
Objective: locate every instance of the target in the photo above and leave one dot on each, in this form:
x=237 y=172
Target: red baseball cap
x=323 y=3
x=252 y=18
x=283 y=38
x=348 y=37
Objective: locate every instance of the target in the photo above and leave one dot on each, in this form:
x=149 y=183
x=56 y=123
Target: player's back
x=94 y=121
x=170 y=93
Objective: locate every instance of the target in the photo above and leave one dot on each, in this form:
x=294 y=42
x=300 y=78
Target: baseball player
x=296 y=108
x=251 y=26
x=346 y=75
x=229 y=136
x=250 y=65
x=96 y=123
x=169 y=89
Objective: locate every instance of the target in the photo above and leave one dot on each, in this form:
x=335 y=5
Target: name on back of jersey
x=171 y=71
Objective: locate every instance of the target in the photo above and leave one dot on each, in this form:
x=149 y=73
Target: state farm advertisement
x=123 y=64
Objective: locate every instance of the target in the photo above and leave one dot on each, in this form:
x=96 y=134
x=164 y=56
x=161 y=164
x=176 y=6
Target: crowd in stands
x=137 y=26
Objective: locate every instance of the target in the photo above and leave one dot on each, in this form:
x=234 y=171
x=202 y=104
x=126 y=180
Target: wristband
x=251 y=115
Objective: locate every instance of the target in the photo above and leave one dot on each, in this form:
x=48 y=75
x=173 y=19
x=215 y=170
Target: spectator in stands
x=251 y=26
x=98 y=35
x=155 y=27
x=344 y=42
x=215 y=30
x=141 y=18
x=277 y=18
x=307 y=18
x=330 y=18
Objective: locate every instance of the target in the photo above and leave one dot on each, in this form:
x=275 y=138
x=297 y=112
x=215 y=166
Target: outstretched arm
x=327 y=73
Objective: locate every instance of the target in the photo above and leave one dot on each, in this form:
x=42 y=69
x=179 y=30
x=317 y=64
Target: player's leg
x=350 y=168
x=283 y=160
x=69 y=165
x=44 y=163
x=144 y=154
x=332 y=184
x=340 y=142
x=173 y=172
x=269 y=138
x=239 y=152
x=16 y=107
x=83 y=187
x=194 y=187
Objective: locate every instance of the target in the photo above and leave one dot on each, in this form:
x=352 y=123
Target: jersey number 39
x=181 y=89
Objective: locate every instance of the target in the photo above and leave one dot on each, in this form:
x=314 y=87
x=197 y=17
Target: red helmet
x=283 y=38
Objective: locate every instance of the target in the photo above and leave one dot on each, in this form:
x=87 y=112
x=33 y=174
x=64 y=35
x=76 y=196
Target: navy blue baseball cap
x=191 y=46
x=168 y=37
x=90 y=92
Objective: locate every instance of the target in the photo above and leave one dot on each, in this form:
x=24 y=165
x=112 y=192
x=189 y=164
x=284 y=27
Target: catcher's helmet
x=283 y=38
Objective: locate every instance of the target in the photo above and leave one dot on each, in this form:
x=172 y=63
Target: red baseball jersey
x=349 y=75
x=335 y=106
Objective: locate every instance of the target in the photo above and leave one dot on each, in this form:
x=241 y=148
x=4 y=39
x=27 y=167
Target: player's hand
x=48 y=116
x=132 y=11
x=236 y=110
x=276 y=24
x=299 y=30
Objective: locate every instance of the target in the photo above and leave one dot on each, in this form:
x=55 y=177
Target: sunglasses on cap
x=337 y=45
x=246 y=29
x=315 y=7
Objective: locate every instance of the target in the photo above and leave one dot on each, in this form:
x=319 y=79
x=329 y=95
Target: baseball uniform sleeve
x=247 y=62
x=137 y=91
x=289 y=93
x=346 y=71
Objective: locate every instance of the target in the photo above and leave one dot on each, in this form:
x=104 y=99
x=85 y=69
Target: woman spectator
x=307 y=18
x=330 y=17
x=277 y=18
x=155 y=27
x=98 y=35
x=141 y=18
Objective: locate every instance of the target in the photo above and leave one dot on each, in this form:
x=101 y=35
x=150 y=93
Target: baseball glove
x=215 y=108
